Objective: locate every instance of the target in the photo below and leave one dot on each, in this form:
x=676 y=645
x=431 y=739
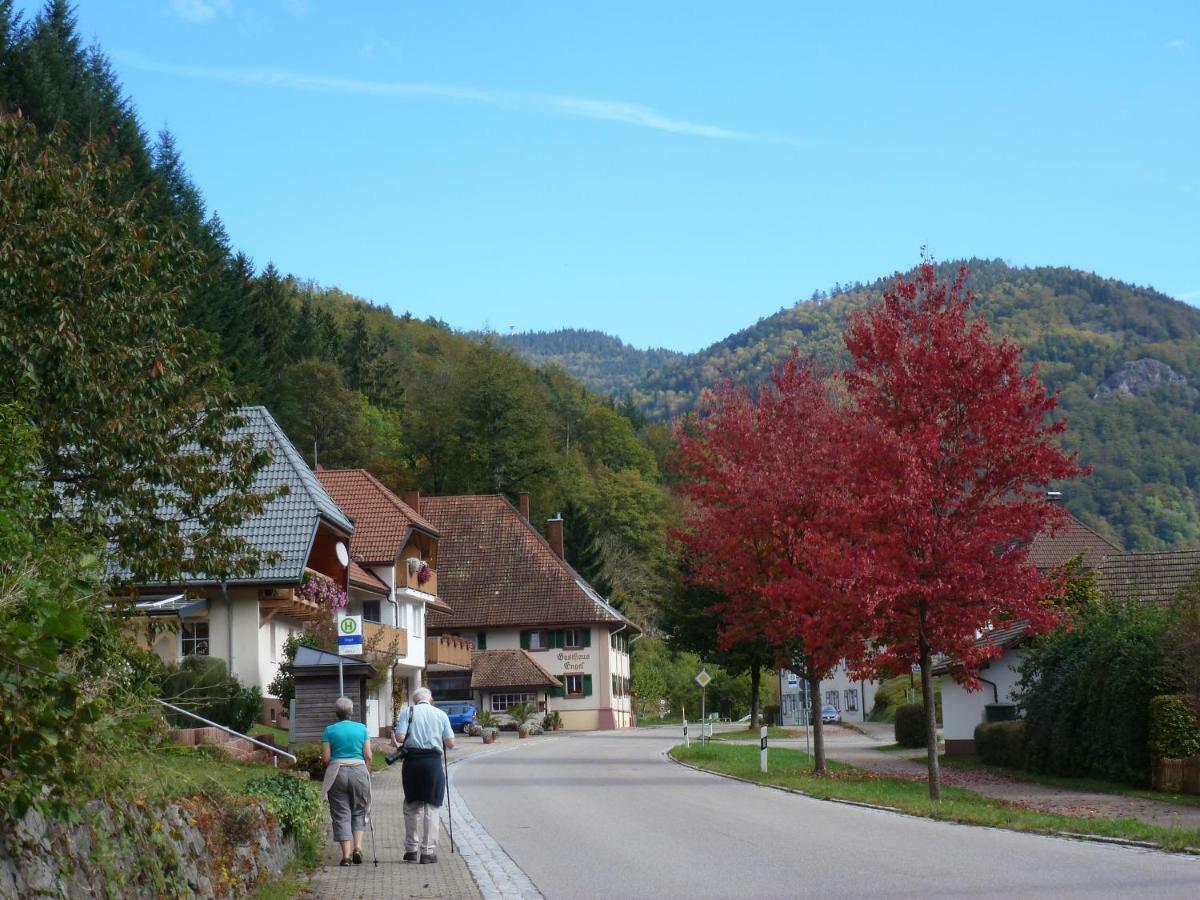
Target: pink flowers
x=322 y=591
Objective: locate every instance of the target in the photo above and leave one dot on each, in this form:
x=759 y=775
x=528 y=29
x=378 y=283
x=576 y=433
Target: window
x=481 y=640
x=371 y=611
x=574 y=685
x=419 y=621
x=501 y=702
x=572 y=639
x=535 y=640
x=193 y=639
x=833 y=698
x=852 y=700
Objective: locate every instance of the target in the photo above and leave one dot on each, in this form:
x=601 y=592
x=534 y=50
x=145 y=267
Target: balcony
x=448 y=649
x=410 y=577
x=386 y=639
x=288 y=602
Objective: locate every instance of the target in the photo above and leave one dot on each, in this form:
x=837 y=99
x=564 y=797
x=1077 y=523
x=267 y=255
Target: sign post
x=350 y=643
x=687 y=742
x=762 y=749
x=702 y=679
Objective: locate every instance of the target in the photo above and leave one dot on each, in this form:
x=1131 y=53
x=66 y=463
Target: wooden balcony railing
x=412 y=580
x=385 y=639
x=449 y=649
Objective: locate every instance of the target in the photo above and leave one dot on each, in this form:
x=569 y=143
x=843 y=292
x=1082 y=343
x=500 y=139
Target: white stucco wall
x=962 y=710
x=840 y=681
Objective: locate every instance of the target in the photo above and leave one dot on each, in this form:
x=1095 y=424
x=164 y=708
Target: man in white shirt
x=425 y=733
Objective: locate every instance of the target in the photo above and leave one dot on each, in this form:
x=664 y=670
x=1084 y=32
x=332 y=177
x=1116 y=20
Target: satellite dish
x=343 y=554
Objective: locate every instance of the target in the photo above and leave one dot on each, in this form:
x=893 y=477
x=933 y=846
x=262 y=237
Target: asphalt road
x=606 y=815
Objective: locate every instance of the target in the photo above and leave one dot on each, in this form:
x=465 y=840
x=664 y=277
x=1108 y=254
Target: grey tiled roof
x=1148 y=577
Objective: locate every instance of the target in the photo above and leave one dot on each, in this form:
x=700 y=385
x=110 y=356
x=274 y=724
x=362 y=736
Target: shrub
x=308 y=759
x=202 y=684
x=298 y=807
x=771 y=714
x=1174 y=732
x=1086 y=692
x=911 y=730
x=1001 y=743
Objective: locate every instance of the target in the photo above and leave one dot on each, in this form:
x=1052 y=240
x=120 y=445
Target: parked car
x=462 y=715
x=829 y=713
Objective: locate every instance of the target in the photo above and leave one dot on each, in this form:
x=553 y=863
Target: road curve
x=605 y=814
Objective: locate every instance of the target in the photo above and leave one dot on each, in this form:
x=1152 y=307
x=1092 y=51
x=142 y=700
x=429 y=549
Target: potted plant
x=521 y=713
x=553 y=721
x=489 y=727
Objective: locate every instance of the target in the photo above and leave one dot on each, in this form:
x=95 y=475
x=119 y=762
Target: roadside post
x=702 y=679
x=762 y=749
x=687 y=742
x=350 y=643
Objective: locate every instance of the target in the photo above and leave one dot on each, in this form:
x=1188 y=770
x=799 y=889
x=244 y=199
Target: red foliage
x=960 y=455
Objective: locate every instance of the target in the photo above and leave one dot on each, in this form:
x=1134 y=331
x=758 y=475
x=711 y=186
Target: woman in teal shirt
x=346 y=749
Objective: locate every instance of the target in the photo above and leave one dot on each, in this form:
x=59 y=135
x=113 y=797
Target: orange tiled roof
x=508 y=669
x=494 y=569
x=381 y=519
x=366 y=580
x=1049 y=551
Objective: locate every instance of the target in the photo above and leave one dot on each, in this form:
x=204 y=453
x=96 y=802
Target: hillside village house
x=245 y=620
x=540 y=632
x=393 y=584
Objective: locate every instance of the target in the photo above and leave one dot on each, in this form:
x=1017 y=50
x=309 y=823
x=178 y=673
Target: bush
x=298 y=807
x=1174 y=732
x=911 y=730
x=1001 y=743
x=1086 y=692
x=308 y=759
x=771 y=715
x=202 y=684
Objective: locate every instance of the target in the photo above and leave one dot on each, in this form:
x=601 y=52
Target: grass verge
x=1095 y=785
x=774 y=733
x=793 y=769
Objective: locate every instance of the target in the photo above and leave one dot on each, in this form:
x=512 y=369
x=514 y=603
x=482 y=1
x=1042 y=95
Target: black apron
x=423 y=778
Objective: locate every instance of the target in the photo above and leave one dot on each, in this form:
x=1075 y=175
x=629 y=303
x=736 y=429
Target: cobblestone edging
x=495 y=873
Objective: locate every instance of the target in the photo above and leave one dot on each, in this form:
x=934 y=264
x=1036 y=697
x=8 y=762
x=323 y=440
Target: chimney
x=524 y=498
x=412 y=499
x=554 y=534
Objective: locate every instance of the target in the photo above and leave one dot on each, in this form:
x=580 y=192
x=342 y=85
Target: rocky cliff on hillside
x=1139 y=377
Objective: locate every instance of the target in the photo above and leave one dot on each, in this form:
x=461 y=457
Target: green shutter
x=524 y=640
x=556 y=638
x=481 y=640
x=587 y=636
x=587 y=685
x=557 y=691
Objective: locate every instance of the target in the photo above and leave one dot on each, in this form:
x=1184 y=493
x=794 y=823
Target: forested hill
x=1126 y=358
x=602 y=362
x=352 y=383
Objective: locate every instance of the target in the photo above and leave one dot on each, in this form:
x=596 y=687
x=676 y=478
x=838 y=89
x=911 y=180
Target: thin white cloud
x=200 y=11
x=1178 y=44
x=622 y=112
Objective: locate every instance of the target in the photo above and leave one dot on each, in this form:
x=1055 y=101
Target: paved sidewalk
x=453 y=876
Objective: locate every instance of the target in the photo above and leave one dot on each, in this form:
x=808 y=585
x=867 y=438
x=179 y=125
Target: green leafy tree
x=134 y=424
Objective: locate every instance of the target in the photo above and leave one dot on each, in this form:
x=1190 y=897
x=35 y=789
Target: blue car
x=462 y=715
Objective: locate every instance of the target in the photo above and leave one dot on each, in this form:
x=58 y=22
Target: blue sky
x=671 y=172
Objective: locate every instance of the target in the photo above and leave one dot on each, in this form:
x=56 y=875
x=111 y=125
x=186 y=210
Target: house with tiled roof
x=1148 y=577
x=963 y=710
x=393 y=585
x=245 y=620
x=511 y=589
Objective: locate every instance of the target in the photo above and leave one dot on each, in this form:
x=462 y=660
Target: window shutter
x=587 y=685
x=587 y=636
x=481 y=640
x=524 y=640
x=555 y=638
x=557 y=691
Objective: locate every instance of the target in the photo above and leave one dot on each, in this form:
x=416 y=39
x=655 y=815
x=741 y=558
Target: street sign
x=793 y=680
x=350 y=635
x=703 y=678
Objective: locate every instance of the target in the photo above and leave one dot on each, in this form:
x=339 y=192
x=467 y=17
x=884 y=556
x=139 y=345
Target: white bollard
x=686 y=741
x=762 y=749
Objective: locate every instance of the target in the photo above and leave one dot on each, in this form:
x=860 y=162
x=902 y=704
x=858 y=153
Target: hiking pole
x=449 y=811
x=371 y=816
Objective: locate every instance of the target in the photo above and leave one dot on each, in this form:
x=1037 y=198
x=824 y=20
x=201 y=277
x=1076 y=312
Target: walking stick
x=449 y=811
x=371 y=817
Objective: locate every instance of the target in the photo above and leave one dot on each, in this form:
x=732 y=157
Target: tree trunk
x=814 y=712
x=755 y=683
x=935 y=775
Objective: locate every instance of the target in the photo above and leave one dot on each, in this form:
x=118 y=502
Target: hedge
x=1174 y=731
x=911 y=729
x=1001 y=743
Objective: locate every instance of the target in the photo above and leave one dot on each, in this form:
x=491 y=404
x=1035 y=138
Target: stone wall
x=192 y=848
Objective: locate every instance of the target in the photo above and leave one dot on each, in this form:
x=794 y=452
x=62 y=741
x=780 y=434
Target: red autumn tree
x=961 y=453
x=767 y=525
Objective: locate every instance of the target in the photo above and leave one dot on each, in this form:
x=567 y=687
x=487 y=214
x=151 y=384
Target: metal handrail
x=274 y=760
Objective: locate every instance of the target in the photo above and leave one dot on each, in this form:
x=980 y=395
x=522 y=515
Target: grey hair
x=422 y=695
x=344 y=707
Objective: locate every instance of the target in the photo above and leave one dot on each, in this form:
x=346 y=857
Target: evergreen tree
x=584 y=551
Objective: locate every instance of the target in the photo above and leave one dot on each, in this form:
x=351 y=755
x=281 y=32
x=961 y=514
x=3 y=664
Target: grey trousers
x=348 y=801
x=421 y=827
